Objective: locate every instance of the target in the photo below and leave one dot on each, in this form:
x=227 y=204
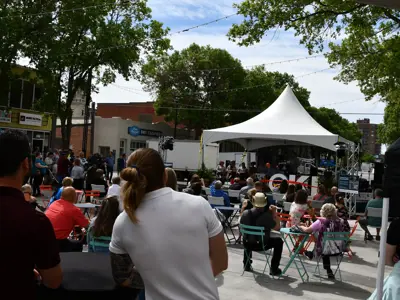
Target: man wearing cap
x=259 y=216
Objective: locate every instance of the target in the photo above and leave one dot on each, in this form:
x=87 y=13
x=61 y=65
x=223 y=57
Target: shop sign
x=136 y=131
x=5 y=116
x=30 y=119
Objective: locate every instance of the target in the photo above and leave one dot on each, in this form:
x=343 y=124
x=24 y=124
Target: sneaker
x=248 y=268
x=309 y=254
x=330 y=274
x=378 y=238
x=370 y=238
x=276 y=272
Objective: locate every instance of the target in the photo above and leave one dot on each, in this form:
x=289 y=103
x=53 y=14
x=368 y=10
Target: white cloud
x=283 y=46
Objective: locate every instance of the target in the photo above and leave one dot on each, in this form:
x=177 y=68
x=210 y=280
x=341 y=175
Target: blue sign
x=136 y=131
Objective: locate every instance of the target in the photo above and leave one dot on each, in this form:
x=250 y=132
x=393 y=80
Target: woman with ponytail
x=173 y=240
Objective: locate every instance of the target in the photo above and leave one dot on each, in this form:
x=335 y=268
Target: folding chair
x=100 y=242
x=93 y=195
x=286 y=206
x=47 y=191
x=349 y=252
x=375 y=213
x=234 y=194
x=218 y=203
x=340 y=240
x=285 y=218
x=258 y=232
x=278 y=198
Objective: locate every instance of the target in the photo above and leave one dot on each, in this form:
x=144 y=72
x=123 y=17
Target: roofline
x=125 y=103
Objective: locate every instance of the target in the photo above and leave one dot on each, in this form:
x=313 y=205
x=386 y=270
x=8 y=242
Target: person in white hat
x=265 y=216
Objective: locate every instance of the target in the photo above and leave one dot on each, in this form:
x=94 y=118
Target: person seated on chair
x=102 y=225
x=245 y=189
x=236 y=186
x=65 y=216
x=299 y=207
x=377 y=202
x=27 y=191
x=115 y=190
x=342 y=212
x=331 y=195
x=66 y=182
x=198 y=190
x=216 y=191
x=329 y=222
x=258 y=216
x=391 y=288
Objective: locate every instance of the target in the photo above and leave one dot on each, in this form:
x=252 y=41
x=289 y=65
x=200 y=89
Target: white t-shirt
x=170 y=245
x=115 y=190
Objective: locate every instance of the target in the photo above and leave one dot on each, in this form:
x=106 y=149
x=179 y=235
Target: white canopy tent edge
x=285 y=122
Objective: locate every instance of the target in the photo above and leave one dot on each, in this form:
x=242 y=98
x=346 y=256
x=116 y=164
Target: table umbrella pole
x=382 y=252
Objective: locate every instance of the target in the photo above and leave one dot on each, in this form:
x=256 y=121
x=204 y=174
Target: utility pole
x=88 y=99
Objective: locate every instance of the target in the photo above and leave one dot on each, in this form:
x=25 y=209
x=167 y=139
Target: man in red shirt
x=28 y=232
x=64 y=216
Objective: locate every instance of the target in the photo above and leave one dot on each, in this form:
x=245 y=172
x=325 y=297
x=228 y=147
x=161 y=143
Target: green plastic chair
x=99 y=242
x=256 y=231
x=343 y=238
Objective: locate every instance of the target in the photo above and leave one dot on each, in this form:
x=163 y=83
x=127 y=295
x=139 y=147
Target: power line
x=133 y=44
x=239 y=88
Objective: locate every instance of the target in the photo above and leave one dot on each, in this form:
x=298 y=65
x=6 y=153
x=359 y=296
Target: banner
x=5 y=116
x=30 y=119
x=348 y=184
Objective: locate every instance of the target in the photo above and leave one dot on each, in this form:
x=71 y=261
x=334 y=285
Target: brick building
x=143 y=112
x=369 y=140
x=76 y=138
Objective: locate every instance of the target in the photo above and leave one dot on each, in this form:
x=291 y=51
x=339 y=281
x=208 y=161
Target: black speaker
x=379 y=170
x=391 y=181
x=341 y=153
x=313 y=171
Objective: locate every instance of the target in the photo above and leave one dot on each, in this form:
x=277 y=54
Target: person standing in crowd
x=82 y=159
x=65 y=216
x=258 y=216
x=377 y=202
x=121 y=162
x=39 y=171
x=34 y=245
x=109 y=166
x=77 y=174
x=62 y=166
x=182 y=272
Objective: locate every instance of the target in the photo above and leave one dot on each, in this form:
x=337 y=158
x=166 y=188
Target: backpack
x=331 y=247
x=253 y=242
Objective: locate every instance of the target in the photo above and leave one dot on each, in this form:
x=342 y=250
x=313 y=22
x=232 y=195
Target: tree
x=367 y=158
x=389 y=131
x=187 y=80
x=334 y=123
x=103 y=40
x=21 y=23
x=268 y=87
x=365 y=38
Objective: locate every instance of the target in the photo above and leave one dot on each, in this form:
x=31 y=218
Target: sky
x=182 y=14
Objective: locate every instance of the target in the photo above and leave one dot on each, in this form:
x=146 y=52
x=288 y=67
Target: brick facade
x=76 y=138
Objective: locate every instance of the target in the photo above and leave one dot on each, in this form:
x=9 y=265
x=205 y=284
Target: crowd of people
x=148 y=246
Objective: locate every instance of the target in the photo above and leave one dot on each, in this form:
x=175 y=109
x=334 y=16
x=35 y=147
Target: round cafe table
x=87 y=276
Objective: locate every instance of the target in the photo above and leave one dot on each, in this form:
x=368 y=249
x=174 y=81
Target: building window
x=137 y=145
x=121 y=147
x=27 y=96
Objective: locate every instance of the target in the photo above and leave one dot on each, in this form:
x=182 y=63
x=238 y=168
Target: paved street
x=359 y=275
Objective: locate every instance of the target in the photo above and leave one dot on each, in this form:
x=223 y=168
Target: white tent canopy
x=285 y=122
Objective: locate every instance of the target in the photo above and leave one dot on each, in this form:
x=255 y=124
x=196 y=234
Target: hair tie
x=135 y=167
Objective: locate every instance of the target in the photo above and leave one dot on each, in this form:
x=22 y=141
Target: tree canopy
x=389 y=131
x=208 y=88
x=75 y=44
x=190 y=80
x=364 y=39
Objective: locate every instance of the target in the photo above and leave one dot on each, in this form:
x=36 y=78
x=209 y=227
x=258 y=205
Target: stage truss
x=350 y=164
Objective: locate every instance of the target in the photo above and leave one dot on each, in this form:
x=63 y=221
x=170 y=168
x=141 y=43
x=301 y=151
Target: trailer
x=187 y=155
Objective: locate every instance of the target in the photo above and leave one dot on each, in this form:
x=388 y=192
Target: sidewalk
x=358 y=273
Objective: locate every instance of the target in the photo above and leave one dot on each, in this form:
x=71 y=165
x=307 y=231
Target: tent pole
x=382 y=246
